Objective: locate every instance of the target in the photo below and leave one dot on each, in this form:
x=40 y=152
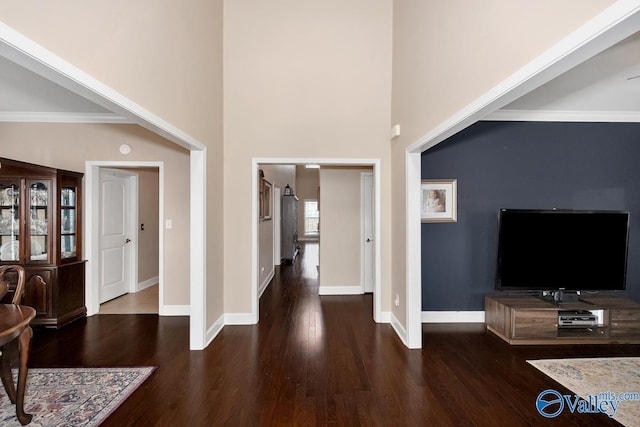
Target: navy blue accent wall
x=526 y=165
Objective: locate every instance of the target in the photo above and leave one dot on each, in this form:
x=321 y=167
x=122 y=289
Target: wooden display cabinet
x=41 y=230
x=532 y=320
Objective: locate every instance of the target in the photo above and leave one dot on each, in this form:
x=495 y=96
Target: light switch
x=168 y=224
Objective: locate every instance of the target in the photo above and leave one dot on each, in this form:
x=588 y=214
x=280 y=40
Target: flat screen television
x=562 y=250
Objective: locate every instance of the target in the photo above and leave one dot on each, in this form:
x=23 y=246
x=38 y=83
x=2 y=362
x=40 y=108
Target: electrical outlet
x=397 y=301
x=261 y=270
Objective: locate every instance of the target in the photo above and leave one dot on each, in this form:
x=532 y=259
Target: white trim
x=340 y=290
x=265 y=282
x=452 y=317
x=133 y=229
x=377 y=296
x=413 y=297
x=60 y=117
x=91 y=230
x=362 y=236
x=255 y=276
x=197 y=250
x=214 y=330
x=239 y=319
x=564 y=116
x=399 y=328
x=375 y=163
x=146 y=284
x=384 y=317
x=174 y=310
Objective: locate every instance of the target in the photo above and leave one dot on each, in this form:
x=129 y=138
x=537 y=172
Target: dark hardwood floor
x=315 y=361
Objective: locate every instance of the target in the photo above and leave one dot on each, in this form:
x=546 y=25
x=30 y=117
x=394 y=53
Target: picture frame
x=438 y=200
x=265 y=200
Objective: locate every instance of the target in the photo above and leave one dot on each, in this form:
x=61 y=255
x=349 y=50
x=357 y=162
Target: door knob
x=369 y=240
x=127 y=241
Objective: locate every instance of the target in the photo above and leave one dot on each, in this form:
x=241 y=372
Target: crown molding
x=58 y=117
x=563 y=116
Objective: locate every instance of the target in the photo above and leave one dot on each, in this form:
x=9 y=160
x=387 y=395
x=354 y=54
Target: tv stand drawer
x=534 y=324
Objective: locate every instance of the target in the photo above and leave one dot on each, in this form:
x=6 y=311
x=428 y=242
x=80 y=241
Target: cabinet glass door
x=9 y=221
x=68 y=227
x=39 y=195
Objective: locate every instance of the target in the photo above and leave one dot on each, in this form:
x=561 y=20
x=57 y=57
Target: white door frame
x=255 y=277
x=91 y=210
x=132 y=228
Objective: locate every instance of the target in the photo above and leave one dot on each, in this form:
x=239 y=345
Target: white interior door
x=368 y=232
x=115 y=234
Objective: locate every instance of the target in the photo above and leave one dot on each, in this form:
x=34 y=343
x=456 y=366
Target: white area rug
x=593 y=376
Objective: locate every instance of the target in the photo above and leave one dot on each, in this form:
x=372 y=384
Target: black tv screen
x=554 y=249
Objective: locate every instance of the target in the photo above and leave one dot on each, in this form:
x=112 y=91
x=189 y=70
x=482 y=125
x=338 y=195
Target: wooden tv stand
x=531 y=320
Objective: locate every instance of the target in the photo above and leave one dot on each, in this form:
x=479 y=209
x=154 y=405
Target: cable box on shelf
x=577 y=318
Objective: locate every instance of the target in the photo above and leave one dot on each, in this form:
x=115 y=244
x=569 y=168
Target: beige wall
x=447 y=53
x=302 y=80
x=340 y=224
x=307 y=184
x=148 y=204
x=176 y=75
x=57 y=145
x=278 y=176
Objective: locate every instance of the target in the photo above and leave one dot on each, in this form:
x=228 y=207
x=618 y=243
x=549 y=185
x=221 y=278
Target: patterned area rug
x=73 y=396
x=613 y=379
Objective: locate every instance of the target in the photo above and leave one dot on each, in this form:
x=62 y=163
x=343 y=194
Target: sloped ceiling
x=603 y=88
x=28 y=97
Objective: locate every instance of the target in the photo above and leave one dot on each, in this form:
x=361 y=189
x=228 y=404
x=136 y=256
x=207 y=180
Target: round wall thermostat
x=125 y=148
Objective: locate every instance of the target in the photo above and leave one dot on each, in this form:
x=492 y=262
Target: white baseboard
x=309 y=239
x=174 y=310
x=214 y=330
x=146 y=284
x=385 y=317
x=239 y=319
x=399 y=328
x=265 y=284
x=453 y=317
x=340 y=290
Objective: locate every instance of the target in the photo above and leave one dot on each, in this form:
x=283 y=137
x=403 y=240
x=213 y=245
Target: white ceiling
x=26 y=96
x=605 y=87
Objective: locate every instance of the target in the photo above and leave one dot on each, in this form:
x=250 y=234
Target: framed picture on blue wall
x=438 y=200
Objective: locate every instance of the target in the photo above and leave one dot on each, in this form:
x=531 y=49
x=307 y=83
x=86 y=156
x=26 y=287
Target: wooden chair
x=4 y=283
x=15 y=339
